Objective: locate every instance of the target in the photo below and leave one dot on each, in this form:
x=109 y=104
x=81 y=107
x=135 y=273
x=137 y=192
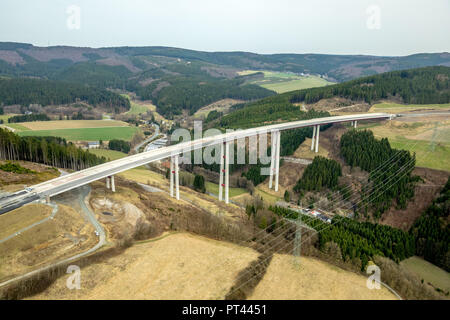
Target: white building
x=93 y=145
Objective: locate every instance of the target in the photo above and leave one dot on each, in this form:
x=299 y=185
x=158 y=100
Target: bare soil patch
x=424 y=193
x=223 y=105
x=339 y=105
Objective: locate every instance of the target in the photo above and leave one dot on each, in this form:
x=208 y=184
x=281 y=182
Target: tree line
x=357 y=240
x=432 y=231
x=29 y=118
x=177 y=95
x=393 y=181
x=423 y=85
x=52 y=151
x=321 y=173
x=119 y=145
x=23 y=91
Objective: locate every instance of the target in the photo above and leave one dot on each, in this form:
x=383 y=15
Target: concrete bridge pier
x=107 y=183
x=177 y=178
x=227 y=171
x=313 y=136
x=171 y=177
x=224 y=181
x=277 y=160
x=174 y=175
x=273 y=138
x=317 y=137
x=355 y=123
x=222 y=170
x=113 y=185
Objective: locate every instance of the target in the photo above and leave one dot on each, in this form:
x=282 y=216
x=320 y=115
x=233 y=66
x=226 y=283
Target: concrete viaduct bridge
x=77 y=179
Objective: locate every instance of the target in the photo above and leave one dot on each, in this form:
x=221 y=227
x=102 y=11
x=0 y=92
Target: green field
x=396 y=107
x=281 y=82
x=5 y=117
x=286 y=86
x=108 y=154
x=86 y=134
x=214 y=189
x=416 y=137
x=136 y=109
x=427 y=155
x=428 y=272
x=17 y=126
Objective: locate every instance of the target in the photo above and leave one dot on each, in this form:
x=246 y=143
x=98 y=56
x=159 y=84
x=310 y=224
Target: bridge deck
x=80 y=178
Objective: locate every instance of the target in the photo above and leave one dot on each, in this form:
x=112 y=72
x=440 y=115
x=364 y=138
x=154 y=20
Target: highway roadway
x=74 y=180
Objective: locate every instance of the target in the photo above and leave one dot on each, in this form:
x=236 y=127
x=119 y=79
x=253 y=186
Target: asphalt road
x=154 y=135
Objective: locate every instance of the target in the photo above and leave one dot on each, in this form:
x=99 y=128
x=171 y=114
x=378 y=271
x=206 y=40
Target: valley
x=373 y=194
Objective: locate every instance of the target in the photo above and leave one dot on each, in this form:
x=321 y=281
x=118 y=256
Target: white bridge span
x=108 y=170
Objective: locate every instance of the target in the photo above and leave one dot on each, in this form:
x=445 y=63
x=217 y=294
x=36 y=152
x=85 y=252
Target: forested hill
x=422 y=85
x=24 y=92
x=432 y=231
x=26 y=59
x=179 y=80
x=52 y=151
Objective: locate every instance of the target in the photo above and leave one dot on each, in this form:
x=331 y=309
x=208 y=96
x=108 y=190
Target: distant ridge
x=336 y=67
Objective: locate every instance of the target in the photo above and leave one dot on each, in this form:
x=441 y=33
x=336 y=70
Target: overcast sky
x=389 y=27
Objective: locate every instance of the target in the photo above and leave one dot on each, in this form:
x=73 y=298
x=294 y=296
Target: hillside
x=169 y=268
x=313 y=280
x=428 y=85
x=25 y=59
x=24 y=92
x=420 y=86
x=179 y=80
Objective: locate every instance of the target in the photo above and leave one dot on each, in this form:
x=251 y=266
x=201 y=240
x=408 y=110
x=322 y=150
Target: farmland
x=427 y=155
x=396 y=107
x=85 y=134
x=76 y=130
x=281 y=82
x=71 y=124
x=427 y=138
x=16 y=127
